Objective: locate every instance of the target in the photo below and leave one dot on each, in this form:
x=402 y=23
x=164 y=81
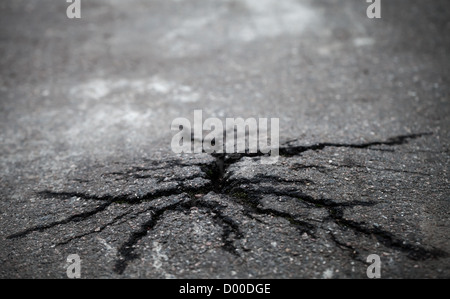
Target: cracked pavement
x=86 y=107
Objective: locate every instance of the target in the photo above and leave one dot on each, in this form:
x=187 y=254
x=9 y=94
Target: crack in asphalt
x=248 y=198
x=229 y=227
x=414 y=252
x=396 y=140
x=74 y=218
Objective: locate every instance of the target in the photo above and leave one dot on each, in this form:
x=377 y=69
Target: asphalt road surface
x=86 y=164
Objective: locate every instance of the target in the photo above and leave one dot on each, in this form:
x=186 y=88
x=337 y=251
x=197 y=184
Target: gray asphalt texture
x=85 y=159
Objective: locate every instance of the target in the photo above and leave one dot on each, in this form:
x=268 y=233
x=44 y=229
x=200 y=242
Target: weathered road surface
x=85 y=160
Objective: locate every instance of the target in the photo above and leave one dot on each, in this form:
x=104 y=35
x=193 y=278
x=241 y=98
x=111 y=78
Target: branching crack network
x=248 y=198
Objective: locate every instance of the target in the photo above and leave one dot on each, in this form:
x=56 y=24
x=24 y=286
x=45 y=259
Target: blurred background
x=112 y=81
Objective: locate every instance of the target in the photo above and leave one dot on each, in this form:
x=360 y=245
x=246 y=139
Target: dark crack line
x=127 y=198
x=353 y=252
x=316 y=202
x=397 y=140
x=229 y=227
x=273 y=178
x=155 y=166
x=99 y=229
x=386 y=238
x=251 y=200
x=74 y=218
x=132 y=172
x=108 y=199
x=220 y=183
x=335 y=211
x=126 y=250
x=301 y=226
